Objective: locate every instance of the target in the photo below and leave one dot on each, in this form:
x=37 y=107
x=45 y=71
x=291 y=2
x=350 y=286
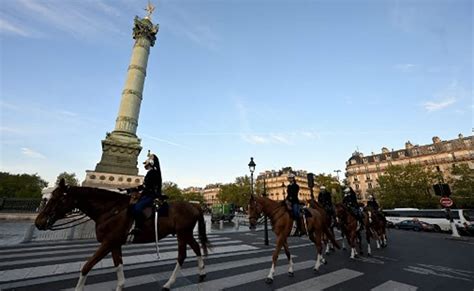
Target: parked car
x=416 y=225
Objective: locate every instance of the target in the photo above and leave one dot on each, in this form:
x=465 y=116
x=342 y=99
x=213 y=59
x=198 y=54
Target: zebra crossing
x=232 y=262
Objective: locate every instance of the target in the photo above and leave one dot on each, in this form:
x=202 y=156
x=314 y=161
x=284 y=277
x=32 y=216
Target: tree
x=172 y=191
x=462 y=182
x=237 y=193
x=70 y=179
x=407 y=186
x=21 y=185
x=331 y=184
x=194 y=196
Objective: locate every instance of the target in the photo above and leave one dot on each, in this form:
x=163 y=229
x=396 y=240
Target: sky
x=288 y=82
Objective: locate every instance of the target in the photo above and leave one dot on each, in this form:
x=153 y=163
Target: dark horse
x=282 y=223
x=113 y=221
x=377 y=225
x=351 y=230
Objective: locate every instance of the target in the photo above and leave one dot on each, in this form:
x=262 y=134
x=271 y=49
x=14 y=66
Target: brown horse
x=113 y=221
x=377 y=225
x=351 y=229
x=328 y=221
x=282 y=223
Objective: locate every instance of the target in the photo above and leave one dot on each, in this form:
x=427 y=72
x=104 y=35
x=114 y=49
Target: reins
x=55 y=227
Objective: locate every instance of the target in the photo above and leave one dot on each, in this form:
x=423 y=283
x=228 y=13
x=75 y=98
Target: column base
x=111 y=181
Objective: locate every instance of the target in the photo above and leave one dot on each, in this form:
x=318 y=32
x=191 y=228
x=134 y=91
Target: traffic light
x=442 y=190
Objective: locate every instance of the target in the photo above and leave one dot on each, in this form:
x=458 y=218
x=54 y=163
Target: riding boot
x=139 y=219
x=299 y=228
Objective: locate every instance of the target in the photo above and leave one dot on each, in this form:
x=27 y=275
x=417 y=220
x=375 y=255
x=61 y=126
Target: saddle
x=158 y=204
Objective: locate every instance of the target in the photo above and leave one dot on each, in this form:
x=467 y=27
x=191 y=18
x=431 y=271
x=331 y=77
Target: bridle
x=68 y=224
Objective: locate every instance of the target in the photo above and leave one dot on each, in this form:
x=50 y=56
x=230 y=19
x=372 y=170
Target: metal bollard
x=237 y=224
x=221 y=224
x=29 y=234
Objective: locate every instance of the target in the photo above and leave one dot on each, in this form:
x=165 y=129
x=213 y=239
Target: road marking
x=438 y=272
x=61 y=276
x=23 y=273
x=323 y=281
x=190 y=271
x=394 y=286
x=54 y=256
x=232 y=281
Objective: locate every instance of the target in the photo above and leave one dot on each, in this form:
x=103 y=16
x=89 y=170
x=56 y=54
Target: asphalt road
x=240 y=261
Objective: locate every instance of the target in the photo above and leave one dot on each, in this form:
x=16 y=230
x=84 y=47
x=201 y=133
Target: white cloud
x=255 y=139
x=8 y=27
x=32 y=154
x=166 y=141
x=431 y=106
x=279 y=139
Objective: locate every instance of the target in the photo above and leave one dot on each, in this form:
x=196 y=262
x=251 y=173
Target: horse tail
x=329 y=234
x=205 y=244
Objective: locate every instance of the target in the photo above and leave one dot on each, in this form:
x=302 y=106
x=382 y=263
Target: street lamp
x=337 y=173
x=252 y=169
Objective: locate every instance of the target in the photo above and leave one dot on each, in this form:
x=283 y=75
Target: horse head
x=60 y=203
x=255 y=211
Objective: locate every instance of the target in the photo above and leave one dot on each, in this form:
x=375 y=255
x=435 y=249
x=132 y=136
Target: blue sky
x=290 y=83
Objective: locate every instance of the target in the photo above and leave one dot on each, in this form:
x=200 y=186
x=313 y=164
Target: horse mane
x=99 y=193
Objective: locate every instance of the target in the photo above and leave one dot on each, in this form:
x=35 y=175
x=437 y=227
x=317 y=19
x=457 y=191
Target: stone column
x=121 y=147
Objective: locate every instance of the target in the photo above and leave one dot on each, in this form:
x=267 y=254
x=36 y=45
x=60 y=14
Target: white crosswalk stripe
x=324 y=281
x=232 y=263
x=394 y=286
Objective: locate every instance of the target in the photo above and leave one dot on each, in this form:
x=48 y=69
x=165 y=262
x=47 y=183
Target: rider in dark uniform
x=325 y=200
x=373 y=207
x=150 y=190
x=292 y=196
x=350 y=201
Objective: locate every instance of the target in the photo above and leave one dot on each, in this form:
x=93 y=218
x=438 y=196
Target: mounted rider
x=292 y=191
x=150 y=190
x=325 y=200
x=350 y=201
x=373 y=208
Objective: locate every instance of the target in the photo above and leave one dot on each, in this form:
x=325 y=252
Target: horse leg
x=290 y=260
x=367 y=238
x=99 y=254
x=179 y=263
x=195 y=246
x=343 y=240
x=276 y=252
x=352 y=242
x=319 y=251
x=117 y=257
x=359 y=242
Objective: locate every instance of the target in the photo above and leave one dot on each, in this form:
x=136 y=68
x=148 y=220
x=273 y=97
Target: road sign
x=446 y=202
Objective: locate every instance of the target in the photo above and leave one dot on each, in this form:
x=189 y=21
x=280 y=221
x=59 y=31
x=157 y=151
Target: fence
x=19 y=204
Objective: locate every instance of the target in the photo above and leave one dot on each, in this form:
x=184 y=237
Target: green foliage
x=331 y=184
x=407 y=186
x=21 y=185
x=237 y=193
x=462 y=182
x=194 y=196
x=172 y=191
x=70 y=179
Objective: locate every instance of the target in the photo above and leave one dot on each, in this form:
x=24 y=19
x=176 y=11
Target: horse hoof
x=325 y=262
x=291 y=274
x=202 y=277
x=369 y=255
x=316 y=271
x=269 y=280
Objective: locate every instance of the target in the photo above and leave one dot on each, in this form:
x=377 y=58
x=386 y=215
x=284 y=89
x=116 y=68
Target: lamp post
x=265 y=226
x=252 y=169
x=337 y=173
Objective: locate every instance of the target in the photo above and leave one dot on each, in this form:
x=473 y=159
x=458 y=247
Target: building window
x=357 y=186
x=367 y=176
x=370 y=185
x=438 y=169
